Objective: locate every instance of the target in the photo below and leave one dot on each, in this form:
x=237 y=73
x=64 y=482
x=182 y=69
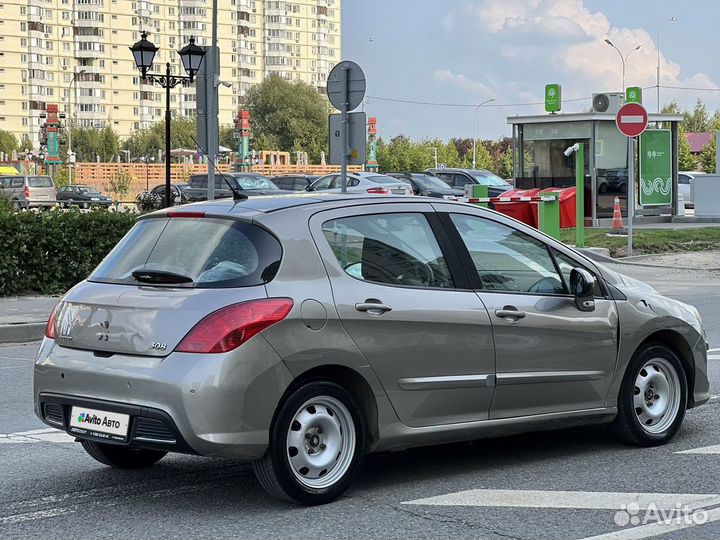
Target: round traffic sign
x=632 y=119
x=352 y=94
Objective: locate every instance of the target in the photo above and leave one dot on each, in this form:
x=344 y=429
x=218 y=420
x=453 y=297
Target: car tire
x=653 y=397
x=317 y=445
x=16 y=206
x=122 y=457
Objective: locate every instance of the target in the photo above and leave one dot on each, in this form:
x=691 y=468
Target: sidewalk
x=23 y=318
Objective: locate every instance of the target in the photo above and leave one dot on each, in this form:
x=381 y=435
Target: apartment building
x=75 y=53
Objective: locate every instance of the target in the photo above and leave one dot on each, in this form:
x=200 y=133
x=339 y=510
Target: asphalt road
x=563 y=484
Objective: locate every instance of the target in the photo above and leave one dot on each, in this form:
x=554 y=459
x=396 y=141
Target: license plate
x=101 y=424
x=41 y=196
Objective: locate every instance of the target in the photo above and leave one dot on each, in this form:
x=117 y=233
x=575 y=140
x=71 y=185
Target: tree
x=686 y=160
x=120 y=184
x=61 y=177
x=697 y=120
x=227 y=137
x=288 y=116
x=8 y=142
x=25 y=142
x=90 y=143
x=402 y=154
x=707 y=156
x=151 y=141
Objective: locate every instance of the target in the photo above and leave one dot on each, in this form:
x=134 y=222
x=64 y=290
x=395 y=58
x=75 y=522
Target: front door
x=404 y=300
x=550 y=356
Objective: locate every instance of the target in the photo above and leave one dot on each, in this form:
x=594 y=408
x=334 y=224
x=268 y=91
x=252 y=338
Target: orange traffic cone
x=617 y=225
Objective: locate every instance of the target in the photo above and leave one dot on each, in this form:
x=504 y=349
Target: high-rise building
x=75 y=53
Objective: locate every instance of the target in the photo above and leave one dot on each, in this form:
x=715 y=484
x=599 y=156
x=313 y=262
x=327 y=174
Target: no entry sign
x=632 y=119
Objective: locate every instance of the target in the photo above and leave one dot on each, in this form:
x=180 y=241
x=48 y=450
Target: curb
x=631 y=261
x=21 y=332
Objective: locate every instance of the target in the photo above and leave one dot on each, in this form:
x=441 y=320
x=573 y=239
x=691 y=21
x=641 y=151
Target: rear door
x=550 y=356
x=403 y=298
x=42 y=188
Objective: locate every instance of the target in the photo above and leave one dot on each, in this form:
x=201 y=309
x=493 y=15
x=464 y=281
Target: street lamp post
x=623 y=59
x=475 y=124
x=72 y=99
x=364 y=59
x=191 y=56
x=671 y=19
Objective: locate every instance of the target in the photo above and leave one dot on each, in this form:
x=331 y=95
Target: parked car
x=148 y=201
x=685 y=186
x=82 y=196
x=362 y=182
x=458 y=178
x=294 y=182
x=248 y=183
x=384 y=323
x=428 y=185
x=26 y=192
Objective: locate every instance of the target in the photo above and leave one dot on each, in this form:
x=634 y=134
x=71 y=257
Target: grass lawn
x=649 y=241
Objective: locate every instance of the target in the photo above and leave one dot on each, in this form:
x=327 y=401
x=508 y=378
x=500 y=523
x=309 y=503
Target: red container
x=567 y=206
x=519 y=210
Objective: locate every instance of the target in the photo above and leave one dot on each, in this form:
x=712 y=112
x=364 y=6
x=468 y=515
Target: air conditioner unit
x=609 y=102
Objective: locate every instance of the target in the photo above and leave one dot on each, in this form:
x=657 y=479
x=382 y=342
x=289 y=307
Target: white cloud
x=449 y=22
x=461 y=81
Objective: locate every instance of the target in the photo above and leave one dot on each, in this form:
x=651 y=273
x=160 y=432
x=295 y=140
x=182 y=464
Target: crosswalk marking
x=568 y=499
x=715 y=449
x=36 y=436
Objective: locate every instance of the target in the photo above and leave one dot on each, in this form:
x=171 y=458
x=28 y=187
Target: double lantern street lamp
x=191 y=56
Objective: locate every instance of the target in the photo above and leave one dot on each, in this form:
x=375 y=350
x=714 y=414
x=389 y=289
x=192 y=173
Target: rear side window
x=213 y=253
x=391 y=249
x=40 y=181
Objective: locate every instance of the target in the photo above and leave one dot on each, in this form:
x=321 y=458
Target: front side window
x=506 y=259
x=461 y=180
x=392 y=249
x=323 y=183
x=188 y=252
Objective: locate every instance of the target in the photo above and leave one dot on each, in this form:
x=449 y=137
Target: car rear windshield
x=254 y=182
x=205 y=252
x=380 y=179
x=40 y=181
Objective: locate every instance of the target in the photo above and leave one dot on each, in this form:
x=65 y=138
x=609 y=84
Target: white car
x=362 y=182
x=685 y=186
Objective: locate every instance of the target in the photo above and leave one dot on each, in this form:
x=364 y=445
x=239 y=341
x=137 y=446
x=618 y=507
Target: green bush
x=49 y=252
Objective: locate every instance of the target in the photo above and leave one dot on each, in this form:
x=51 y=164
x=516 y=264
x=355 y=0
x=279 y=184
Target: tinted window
x=380 y=179
x=393 y=249
x=460 y=180
x=213 y=252
x=40 y=181
x=300 y=184
x=17 y=182
x=506 y=259
x=445 y=177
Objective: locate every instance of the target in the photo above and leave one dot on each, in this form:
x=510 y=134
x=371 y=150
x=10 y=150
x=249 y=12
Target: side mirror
x=582 y=286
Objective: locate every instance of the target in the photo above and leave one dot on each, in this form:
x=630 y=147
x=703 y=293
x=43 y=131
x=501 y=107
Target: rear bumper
x=38 y=203
x=213 y=405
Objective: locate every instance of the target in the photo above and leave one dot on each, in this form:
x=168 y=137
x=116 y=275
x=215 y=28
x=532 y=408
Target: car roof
x=457 y=169
x=267 y=204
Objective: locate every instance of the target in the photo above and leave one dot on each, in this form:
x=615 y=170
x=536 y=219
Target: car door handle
x=374 y=308
x=509 y=312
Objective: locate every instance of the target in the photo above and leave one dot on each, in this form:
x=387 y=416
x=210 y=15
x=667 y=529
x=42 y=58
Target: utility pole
x=212 y=114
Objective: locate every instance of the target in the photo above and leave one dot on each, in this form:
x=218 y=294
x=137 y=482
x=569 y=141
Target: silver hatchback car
x=303 y=331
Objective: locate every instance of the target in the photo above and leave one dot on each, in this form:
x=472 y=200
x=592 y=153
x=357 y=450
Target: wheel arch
x=349 y=379
x=678 y=345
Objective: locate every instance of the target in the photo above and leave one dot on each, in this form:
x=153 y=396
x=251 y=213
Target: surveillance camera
x=226 y=84
x=570 y=149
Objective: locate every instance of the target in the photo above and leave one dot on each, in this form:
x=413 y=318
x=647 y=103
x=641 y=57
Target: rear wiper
x=160 y=276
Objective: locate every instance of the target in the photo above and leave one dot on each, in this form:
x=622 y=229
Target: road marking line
x=714 y=350
x=14 y=367
x=36 y=436
x=654 y=529
x=568 y=499
x=702 y=450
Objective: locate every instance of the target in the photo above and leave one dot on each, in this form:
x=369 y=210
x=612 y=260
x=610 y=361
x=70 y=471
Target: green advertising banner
x=656 y=167
x=553 y=98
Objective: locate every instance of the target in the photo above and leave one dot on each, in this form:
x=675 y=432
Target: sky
x=464 y=52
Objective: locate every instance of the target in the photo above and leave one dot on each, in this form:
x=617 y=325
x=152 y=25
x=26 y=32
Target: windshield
x=489 y=179
x=208 y=252
x=254 y=182
x=382 y=179
x=40 y=181
x=425 y=181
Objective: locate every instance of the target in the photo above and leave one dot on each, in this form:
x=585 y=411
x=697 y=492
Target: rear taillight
x=27 y=192
x=228 y=328
x=50 y=326
x=379 y=191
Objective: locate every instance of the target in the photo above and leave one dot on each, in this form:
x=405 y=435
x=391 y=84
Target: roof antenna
x=237 y=195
